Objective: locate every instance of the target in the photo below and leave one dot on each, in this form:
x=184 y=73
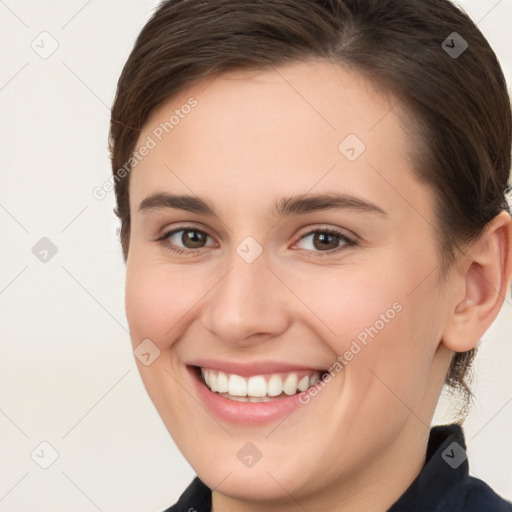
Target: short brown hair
x=459 y=103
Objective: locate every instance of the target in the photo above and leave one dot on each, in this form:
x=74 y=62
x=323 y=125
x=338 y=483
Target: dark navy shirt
x=444 y=484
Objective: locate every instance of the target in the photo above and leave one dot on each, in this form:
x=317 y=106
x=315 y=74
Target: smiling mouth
x=258 y=388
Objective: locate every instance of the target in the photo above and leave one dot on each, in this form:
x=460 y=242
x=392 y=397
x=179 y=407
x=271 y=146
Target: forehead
x=296 y=127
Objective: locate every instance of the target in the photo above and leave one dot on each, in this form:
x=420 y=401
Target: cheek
x=346 y=303
x=157 y=302
x=385 y=335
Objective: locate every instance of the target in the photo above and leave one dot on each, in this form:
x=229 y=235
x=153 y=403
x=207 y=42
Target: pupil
x=193 y=239
x=325 y=241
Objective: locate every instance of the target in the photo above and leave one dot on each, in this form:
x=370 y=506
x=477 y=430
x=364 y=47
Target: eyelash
x=349 y=242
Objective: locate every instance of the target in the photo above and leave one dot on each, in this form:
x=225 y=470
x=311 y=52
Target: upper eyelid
x=326 y=229
x=169 y=231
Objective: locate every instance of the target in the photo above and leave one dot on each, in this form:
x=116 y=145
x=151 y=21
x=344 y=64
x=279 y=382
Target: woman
x=315 y=228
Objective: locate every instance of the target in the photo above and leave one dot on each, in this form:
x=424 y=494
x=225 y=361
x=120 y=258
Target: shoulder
x=467 y=494
x=444 y=485
x=479 y=496
x=197 y=497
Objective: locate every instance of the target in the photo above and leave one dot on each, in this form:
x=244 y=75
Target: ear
x=482 y=278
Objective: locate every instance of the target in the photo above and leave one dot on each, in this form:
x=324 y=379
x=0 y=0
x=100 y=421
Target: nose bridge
x=245 y=301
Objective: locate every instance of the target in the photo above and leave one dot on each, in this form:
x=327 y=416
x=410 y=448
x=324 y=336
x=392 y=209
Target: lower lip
x=244 y=413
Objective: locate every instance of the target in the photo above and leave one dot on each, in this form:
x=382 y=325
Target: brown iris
x=325 y=241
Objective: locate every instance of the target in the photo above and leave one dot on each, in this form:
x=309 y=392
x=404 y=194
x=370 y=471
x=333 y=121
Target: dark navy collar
x=444 y=485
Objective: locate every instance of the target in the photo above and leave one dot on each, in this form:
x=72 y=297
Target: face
x=279 y=235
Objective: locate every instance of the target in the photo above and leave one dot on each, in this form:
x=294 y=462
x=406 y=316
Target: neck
x=373 y=489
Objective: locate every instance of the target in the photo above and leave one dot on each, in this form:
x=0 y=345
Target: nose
x=247 y=305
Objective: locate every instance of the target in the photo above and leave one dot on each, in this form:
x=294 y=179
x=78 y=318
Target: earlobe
x=484 y=275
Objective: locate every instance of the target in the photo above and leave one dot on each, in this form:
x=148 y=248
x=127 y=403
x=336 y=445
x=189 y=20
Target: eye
x=324 y=240
x=189 y=240
x=186 y=239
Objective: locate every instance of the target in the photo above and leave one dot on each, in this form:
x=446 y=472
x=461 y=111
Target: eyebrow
x=294 y=205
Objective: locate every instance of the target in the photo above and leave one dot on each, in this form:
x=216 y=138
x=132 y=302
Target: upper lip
x=247 y=369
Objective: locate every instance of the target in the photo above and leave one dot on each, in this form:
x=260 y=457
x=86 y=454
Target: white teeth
x=222 y=383
x=237 y=386
x=290 y=384
x=252 y=399
x=274 y=386
x=213 y=382
x=303 y=383
x=257 y=388
x=238 y=398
